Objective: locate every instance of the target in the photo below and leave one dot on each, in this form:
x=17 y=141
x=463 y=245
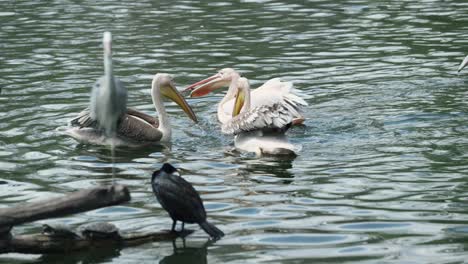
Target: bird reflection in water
x=124 y=154
x=104 y=254
x=271 y=166
x=193 y=255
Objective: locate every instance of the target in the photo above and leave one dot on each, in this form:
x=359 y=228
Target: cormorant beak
x=239 y=103
x=463 y=64
x=207 y=85
x=171 y=92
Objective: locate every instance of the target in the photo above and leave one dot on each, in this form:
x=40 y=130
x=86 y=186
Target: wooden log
x=43 y=244
x=80 y=201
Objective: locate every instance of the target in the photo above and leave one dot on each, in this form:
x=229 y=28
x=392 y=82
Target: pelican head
x=242 y=96
x=163 y=84
x=463 y=64
x=221 y=79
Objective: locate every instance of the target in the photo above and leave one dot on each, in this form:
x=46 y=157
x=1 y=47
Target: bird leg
x=174 y=222
x=182 y=230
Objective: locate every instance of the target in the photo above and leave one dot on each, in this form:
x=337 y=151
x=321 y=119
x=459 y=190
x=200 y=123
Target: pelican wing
x=272 y=92
x=84 y=120
x=274 y=105
x=148 y=118
x=137 y=129
x=276 y=117
x=133 y=125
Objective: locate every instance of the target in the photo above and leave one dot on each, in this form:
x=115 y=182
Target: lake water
x=383 y=171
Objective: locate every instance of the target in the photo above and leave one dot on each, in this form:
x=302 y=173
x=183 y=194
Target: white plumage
x=269 y=109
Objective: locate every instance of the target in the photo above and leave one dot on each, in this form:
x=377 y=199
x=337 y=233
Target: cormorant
x=181 y=200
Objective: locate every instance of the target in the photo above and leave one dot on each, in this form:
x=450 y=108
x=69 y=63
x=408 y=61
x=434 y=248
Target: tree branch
x=43 y=244
x=77 y=202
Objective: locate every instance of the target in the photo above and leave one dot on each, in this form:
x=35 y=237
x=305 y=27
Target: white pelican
x=258 y=127
x=135 y=128
x=463 y=64
x=272 y=92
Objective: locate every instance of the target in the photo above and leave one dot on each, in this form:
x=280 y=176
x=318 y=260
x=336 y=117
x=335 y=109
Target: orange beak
x=207 y=85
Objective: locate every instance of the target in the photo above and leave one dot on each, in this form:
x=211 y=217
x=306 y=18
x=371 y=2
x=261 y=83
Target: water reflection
x=184 y=254
x=100 y=255
x=270 y=166
x=383 y=164
x=123 y=154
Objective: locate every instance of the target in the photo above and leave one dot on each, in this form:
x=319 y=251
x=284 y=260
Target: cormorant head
x=166 y=168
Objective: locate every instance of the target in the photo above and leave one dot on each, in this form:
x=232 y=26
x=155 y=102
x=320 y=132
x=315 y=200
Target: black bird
x=178 y=197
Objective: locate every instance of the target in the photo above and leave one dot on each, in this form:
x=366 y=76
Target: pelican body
x=272 y=92
x=178 y=197
x=258 y=119
x=135 y=128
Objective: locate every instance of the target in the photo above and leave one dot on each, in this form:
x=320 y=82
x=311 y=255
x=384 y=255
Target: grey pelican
x=463 y=64
x=271 y=92
x=135 y=128
x=178 y=197
x=109 y=96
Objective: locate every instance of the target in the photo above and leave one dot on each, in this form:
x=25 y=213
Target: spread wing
x=274 y=106
x=276 y=117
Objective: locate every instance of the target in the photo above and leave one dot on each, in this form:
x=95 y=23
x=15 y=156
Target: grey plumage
x=108 y=102
x=109 y=96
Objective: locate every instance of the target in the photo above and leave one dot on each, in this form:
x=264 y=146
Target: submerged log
x=77 y=202
x=43 y=244
x=81 y=201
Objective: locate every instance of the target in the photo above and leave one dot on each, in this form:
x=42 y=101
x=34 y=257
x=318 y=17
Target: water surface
x=382 y=176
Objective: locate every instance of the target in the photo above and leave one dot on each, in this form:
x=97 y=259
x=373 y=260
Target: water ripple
x=382 y=173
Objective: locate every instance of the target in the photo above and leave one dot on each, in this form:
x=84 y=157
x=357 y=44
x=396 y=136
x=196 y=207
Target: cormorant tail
x=211 y=230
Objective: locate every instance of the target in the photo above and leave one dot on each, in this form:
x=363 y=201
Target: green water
x=383 y=172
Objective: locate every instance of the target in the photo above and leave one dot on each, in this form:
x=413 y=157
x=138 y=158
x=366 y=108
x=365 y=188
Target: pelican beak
x=239 y=103
x=463 y=64
x=207 y=85
x=171 y=92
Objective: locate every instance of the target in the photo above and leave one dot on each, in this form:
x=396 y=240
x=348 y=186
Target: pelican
x=463 y=64
x=259 y=127
x=272 y=92
x=134 y=127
